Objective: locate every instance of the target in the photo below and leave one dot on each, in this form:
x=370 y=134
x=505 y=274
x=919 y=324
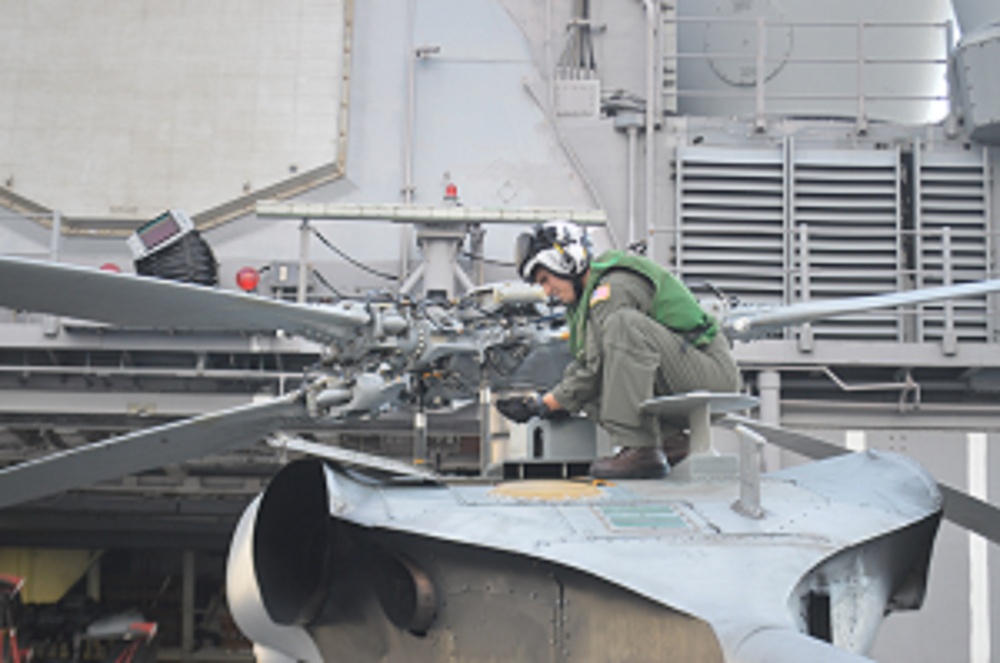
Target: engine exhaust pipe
x=293 y=540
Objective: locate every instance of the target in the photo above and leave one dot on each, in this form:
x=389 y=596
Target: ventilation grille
x=952 y=200
x=845 y=218
x=828 y=224
x=731 y=228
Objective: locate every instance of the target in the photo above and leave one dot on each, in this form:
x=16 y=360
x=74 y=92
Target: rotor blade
x=146 y=449
x=971 y=513
x=742 y=323
x=150 y=303
x=800 y=443
x=960 y=508
x=352 y=458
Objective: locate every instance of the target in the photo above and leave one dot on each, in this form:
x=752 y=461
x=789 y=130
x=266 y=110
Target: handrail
x=761 y=66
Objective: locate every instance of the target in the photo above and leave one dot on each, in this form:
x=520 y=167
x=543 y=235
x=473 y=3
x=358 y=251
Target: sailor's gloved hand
x=522 y=408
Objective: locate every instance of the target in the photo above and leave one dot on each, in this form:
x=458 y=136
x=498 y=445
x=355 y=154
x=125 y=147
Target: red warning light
x=451 y=192
x=110 y=267
x=247 y=279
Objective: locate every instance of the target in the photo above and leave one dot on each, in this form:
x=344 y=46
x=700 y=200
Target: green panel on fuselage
x=644 y=516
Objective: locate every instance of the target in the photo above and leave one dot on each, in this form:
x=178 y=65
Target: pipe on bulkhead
x=407 y=234
x=652 y=21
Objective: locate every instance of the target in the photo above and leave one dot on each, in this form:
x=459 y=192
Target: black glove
x=522 y=408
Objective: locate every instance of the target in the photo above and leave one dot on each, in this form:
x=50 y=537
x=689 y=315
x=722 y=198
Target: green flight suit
x=628 y=357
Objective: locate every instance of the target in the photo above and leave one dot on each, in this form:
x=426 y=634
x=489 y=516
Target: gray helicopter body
x=331 y=563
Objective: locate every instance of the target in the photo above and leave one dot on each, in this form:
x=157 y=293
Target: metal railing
x=759 y=66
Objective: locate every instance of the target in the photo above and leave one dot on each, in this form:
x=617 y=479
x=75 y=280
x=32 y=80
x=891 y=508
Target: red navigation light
x=111 y=267
x=247 y=279
x=451 y=191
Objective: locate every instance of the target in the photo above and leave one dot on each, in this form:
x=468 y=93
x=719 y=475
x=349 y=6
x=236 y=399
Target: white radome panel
x=121 y=109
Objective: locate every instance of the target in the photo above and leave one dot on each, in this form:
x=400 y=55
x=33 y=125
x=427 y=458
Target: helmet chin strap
x=578 y=280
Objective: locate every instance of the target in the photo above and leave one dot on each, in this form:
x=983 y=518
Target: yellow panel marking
x=547 y=489
x=47 y=573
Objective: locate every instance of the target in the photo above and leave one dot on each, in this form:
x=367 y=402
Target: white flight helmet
x=561 y=247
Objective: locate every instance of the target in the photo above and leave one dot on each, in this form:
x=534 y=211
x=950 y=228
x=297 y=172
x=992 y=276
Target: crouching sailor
x=636 y=332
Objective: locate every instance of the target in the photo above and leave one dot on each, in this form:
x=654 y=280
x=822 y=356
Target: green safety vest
x=673 y=304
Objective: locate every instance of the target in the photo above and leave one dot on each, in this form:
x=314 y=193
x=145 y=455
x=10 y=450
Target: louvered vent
x=731 y=229
x=849 y=203
x=951 y=194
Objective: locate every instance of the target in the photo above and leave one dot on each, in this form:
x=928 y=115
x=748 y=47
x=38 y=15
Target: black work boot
x=632 y=463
